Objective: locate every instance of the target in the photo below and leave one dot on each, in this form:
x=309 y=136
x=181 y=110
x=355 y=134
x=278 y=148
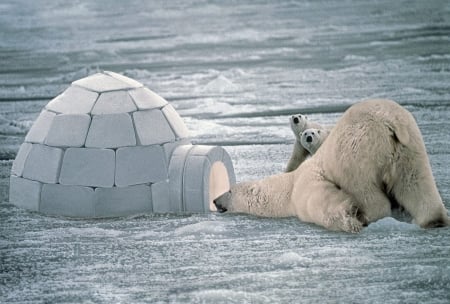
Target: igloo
x=109 y=146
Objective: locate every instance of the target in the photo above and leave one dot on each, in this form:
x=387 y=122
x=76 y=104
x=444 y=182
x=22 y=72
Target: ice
x=176 y=122
x=114 y=102
x=88 y=167
x=24 y=193
x=119 y=201
x=103 y=83
x=43 y=164
x=292 y=259
x=68 y=130
x=40 y=128
x=391 y=224
x=74 y=100
x=227 y=296
x=72 y=201
x=221 y=84
x=19 y=162
x=146 y=99
x=140 y=165
x=205 y=227
x=152 y=127
x=111 y=131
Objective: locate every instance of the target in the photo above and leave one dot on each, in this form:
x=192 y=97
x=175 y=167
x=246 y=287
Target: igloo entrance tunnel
x=109 y=146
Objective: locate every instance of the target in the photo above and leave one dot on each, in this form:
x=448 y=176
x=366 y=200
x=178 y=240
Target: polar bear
x=312 y=139
x=374 y=156
x=299 y=123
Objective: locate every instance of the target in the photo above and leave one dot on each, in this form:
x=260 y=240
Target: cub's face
x=298 y=124
x=312 y=139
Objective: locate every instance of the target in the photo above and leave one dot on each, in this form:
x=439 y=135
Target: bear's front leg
x=329 y=206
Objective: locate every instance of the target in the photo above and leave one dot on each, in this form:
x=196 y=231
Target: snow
x=68 y=130
x=145 y=99
x=153 y=120
x=235 y=73
x=74 y=100
x=88 y=167
x=140 y=165
x=114 y=102
x=43 y=164
x=111 y=131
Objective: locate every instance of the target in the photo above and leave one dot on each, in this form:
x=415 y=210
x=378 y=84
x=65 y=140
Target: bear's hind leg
x=415 y=190
x=333 y=208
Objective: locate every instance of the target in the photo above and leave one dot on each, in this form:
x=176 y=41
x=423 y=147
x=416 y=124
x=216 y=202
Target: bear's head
x=312 y=139
x=298 y=124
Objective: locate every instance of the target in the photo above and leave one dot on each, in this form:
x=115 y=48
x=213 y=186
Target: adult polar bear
x=374 y=155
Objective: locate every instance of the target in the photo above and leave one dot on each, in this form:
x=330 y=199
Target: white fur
x=312 y=139
x=373 y=155
x=299 y=123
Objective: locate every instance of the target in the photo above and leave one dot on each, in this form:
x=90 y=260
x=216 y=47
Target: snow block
x=125 y=79
x=101 y=82
x=118 y=201
x=146 y=99
x=24 y=193
x=43 y=164
x=176 y=171
x=72 y=201
x=161 y=197
x=196 y=190
x=152 y=127
x=114 y=102
x=88 y=167
x=176 y=122
x=170 y=147
x=74 y=100
x=111 y=131
x=140 y=165
x=68 y=130
x=21 y=157
x=40 y=128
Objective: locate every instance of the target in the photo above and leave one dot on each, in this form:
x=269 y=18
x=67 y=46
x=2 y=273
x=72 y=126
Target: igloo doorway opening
x=219 y=183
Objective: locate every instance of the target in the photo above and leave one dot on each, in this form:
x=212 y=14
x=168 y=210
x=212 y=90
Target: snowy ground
x=235 y=72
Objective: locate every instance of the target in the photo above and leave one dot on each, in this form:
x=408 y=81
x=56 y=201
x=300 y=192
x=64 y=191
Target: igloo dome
x=109 y=146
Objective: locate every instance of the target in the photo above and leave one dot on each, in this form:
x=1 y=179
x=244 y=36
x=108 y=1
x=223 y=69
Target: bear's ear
x=318 y=131
x=400 y=133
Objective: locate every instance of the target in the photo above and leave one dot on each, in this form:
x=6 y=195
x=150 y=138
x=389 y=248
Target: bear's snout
x=295 y=120
x=222 y=201
x=309 y=138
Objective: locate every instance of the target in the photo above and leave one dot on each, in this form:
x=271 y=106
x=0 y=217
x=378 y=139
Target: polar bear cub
x=374 y=156
x=312 y=139
x=299 y=123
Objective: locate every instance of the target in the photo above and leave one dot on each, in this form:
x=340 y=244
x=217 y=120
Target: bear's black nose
x=295 y=120
x=309 y=138
x=220 y=208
